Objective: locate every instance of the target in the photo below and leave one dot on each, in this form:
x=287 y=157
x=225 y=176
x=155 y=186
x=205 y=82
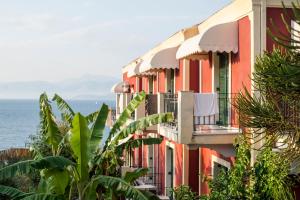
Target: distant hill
x=86 y=87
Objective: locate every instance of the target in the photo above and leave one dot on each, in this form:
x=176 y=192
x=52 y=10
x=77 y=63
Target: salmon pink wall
x=131 y=80
x=161 y=81
x=194 y=75
x=145 y=83
x=241 y=62
x=179 y=77
x=206 y=155
x=161 y=164
x=145 y=156
x=275 y=15
x=178 y=164
x=160 y=159
x=206 y=75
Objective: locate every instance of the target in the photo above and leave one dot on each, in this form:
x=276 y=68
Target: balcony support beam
x=185 y=116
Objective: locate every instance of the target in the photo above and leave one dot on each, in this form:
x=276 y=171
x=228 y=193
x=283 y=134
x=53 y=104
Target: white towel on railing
x=205 y=104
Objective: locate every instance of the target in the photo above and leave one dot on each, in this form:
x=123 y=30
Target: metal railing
x=226 y=117
x=171 y=105
x=151 y=178
x=290 y=111
x=151 y=104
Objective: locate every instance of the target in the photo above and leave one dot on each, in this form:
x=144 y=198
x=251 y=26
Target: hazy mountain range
x=86 y=87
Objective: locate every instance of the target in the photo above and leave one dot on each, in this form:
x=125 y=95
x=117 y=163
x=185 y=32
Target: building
x=196 y=73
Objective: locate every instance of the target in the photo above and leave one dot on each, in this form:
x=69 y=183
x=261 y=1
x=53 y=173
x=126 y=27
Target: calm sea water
x=20 y=118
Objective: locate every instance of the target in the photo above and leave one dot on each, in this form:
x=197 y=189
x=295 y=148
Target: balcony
x=224 y=119
x=151 y=104
x=216 y=131
x=171 y=105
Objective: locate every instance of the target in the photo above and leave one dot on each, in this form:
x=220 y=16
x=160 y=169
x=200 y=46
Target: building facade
x=196 y=74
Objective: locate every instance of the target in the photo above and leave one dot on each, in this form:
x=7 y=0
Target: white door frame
x=172 y=146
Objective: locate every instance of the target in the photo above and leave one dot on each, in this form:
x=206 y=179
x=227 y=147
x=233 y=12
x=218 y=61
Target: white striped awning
x=134 y=70
x=137 y=72
x=163 y=59
x=217 y=38
x=119 y=87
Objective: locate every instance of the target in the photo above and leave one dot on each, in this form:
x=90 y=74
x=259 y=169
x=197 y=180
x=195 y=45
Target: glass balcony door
x=223 y=88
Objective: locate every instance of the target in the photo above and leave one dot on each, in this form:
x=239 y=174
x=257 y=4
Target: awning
x=163 y=59
x=119 y=87
x=217 y=38
x=134 y=71
x=137 y=72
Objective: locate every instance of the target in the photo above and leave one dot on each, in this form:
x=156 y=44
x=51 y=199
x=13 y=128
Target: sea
x=20 y=118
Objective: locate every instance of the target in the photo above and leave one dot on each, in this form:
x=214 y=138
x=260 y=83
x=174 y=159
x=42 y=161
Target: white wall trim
x=215 y=159
x=172 y=146
x=200 y=76
x=213 y=57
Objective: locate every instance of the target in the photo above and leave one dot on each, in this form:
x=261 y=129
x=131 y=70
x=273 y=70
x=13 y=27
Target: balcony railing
x=151 y=178
x=171 y=105
x=151 y=104
x=226 y=117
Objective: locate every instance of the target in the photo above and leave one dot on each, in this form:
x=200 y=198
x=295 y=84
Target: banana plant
x=87 y=171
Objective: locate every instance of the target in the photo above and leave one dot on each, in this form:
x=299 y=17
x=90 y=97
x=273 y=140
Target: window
x=217 y=165
x=295 y=33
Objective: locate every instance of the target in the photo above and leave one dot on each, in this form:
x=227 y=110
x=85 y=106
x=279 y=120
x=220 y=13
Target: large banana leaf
x=137 y=143
x=25 y=167
x=125 y=115
x=16 y=194
x=130 y=177
x=120 y=186
x=90 y=118
x=52 y=162
x=65 y=108
x=79 y=141
x=56 y=180
x=48 y=125
x=98 y=128
x=43 y=196
x=142 y=124
x=11 y=192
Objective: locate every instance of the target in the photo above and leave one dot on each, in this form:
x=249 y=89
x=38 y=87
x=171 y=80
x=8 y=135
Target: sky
x=54 y=40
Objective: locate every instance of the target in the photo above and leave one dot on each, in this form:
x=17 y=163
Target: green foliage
x=271 y=177
x=49 y=128
x=130 y=177
x=184 y=192
x=268 y=179
x=66 y=110
x=123 y=187
x=87 y=164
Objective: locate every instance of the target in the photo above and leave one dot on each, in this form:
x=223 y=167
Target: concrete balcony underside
x=220 y=140
x=214 y=138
